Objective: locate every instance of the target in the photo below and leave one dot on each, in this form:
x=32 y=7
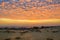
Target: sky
x=30 y=12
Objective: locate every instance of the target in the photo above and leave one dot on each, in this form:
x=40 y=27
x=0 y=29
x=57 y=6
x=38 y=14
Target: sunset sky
x=30 y=12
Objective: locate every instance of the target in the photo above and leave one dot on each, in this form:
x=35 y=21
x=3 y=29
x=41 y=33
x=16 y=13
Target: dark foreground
x=35 y=33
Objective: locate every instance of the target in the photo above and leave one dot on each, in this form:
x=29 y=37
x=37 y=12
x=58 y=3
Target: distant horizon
x=29 y=23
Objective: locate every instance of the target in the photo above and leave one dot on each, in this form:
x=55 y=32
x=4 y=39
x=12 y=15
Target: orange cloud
x=44 y=12
x=49 y=0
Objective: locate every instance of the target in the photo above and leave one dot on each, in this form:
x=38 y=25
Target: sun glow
x=31 y=21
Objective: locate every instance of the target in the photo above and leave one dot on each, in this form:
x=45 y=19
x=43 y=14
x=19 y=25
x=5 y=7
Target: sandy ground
x=42 y=34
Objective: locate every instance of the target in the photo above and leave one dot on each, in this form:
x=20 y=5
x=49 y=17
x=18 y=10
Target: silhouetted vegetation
x=54 y=31
x=18 y=38
x=49 y=39
x=36 y=27
x=8 y=39
x=25 y=28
